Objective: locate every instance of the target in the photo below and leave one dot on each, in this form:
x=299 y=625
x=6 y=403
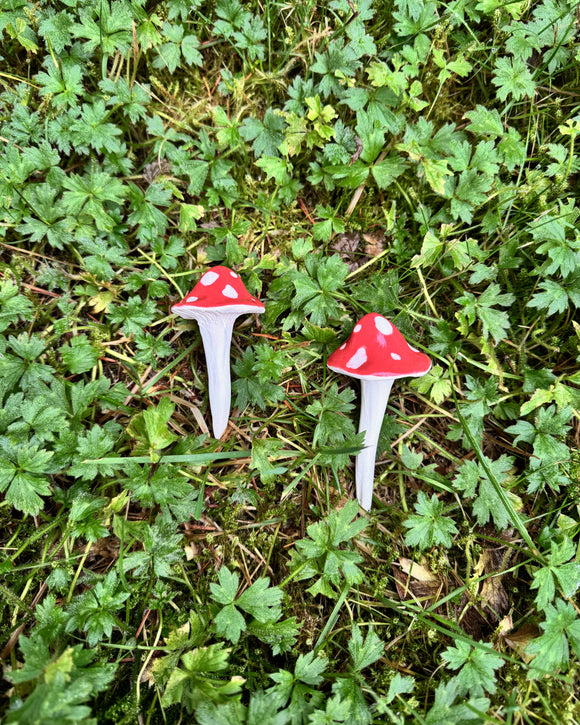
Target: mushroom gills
x=374 y=397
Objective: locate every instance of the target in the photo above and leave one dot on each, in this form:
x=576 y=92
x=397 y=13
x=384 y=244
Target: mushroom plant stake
x=215 y=302
x=377 y=354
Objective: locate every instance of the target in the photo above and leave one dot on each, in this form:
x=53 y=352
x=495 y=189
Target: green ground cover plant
x=414 y=158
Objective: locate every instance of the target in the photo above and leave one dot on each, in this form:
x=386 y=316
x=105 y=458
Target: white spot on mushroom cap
x=233 y=274
x=342 y=346
x=357 y=328
x=383 y=326
x=414 y=349
x=192 y=299
x=358 y=359
x=395 y=356
x=229 y=291
x=209 y=278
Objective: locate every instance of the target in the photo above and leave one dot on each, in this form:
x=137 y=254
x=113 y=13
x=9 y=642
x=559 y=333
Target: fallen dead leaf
x=505 y=626
x=417 y=571
x=103 y=553
x=374 y=243
x=491 y=565
x=154 y=169
x=521 y=638
x=492 y=601
x=346 y=245
x=414 y=580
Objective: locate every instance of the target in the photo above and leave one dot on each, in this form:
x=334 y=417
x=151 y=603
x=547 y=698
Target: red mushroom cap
x=219 y=287
x=376 y=349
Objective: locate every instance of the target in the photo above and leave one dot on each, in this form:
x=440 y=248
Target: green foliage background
x=413 y=158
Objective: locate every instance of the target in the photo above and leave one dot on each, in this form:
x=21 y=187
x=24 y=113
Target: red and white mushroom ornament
x=215 y=302
x=377 y=354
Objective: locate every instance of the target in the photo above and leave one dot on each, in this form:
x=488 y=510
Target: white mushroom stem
x=216 y=333
x=374 y=397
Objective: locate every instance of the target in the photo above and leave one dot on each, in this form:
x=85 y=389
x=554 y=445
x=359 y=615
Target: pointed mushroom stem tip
x=216 y=333
x=374 y=397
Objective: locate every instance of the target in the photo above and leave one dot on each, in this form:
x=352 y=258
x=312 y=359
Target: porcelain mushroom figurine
x=215 y=302
x=377 y=354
